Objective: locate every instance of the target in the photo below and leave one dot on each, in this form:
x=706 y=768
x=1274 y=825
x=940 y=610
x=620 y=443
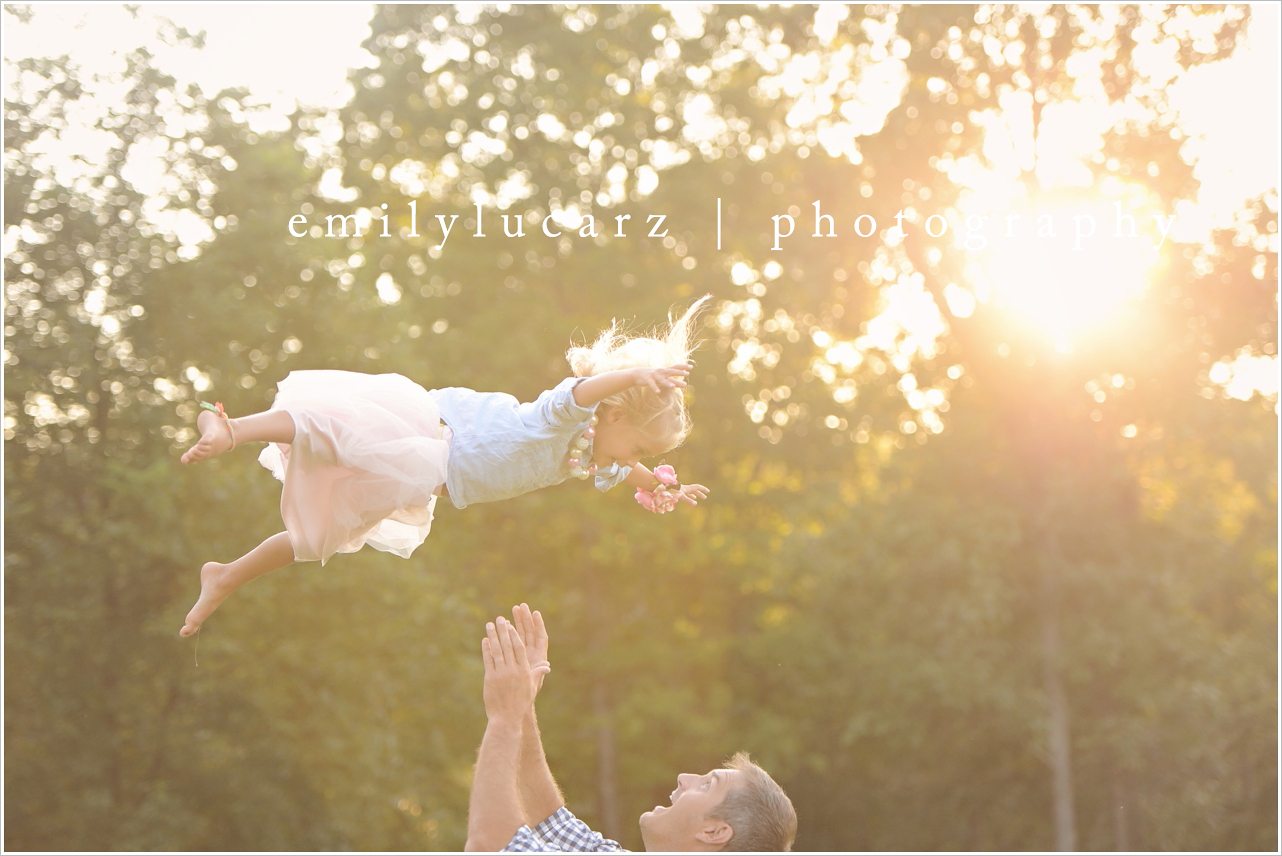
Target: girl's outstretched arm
x=597 y=388
x=645 y=479
x=641 y=477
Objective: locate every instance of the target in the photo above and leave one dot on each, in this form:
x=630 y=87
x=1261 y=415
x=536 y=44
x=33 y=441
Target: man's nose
x=683 y=780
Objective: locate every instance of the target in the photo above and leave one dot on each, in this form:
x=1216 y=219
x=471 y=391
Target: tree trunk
x=607 y=769
x=1121 y=828
x=603 y=709
x=1057 y=707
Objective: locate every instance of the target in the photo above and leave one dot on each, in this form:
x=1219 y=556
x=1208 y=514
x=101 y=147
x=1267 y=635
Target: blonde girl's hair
x=660 y=416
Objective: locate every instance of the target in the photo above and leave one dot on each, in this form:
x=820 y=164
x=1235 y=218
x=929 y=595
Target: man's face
x=686 y=824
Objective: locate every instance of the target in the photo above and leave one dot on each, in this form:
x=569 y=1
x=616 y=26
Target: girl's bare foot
x=214 y=589
x=215 y=438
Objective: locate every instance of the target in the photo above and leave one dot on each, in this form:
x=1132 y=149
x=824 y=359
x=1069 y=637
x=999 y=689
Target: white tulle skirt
x=368 y=455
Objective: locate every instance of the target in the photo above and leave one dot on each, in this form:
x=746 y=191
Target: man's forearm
x=540 y=795
x=494 y=813
x=597 y=388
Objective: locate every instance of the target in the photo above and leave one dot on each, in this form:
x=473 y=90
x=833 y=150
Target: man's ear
x=715 y=832
x=610 y=415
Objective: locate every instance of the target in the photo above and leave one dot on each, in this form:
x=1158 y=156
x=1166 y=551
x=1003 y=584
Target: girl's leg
x=217 y=581
x=272 y=426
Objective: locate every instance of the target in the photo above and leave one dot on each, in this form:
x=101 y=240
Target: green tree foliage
x=899 y=621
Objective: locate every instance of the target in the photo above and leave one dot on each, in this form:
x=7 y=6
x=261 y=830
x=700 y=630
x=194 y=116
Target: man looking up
x=516 y=805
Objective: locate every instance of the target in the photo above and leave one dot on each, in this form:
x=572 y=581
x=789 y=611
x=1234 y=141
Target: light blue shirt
x=502 y=448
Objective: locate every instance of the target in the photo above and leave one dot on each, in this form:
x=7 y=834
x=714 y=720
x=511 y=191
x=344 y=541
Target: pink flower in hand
x=666 y=474
x=645 y=498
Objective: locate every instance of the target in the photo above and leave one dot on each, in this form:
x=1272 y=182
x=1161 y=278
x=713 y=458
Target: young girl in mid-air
x=364 y=457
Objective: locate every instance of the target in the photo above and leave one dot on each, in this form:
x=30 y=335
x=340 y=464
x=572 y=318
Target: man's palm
x=535 y=636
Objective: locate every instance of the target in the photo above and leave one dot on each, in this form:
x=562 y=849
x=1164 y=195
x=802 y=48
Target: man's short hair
x=757 y=809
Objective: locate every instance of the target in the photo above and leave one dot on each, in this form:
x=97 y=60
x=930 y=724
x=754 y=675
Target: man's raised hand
x=535 y=636
x=509 y=692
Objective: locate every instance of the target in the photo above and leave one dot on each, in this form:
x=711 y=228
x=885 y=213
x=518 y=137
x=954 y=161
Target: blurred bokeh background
x=990 y=561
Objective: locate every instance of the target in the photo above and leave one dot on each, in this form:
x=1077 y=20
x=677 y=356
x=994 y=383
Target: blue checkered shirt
x=562 y=832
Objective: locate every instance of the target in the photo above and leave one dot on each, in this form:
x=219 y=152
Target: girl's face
x=618 y=442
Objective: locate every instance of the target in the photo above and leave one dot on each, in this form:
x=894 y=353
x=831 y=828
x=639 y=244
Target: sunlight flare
x=1067 y=264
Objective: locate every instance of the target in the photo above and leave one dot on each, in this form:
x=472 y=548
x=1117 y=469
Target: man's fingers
x=487 y=658
x=519 y=656
x=524 y=621
x=507 y=635
x=533 y=633
x=496 y=647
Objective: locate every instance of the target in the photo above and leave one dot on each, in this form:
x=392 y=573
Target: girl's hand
x=664 y=499
x=692 y=493
x=658 y=380
x=657 y=501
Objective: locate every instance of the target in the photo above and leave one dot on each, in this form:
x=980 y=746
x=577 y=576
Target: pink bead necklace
x=579 y=448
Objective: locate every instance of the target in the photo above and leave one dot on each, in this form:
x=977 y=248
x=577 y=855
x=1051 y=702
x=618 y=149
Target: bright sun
x=1066 y=264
